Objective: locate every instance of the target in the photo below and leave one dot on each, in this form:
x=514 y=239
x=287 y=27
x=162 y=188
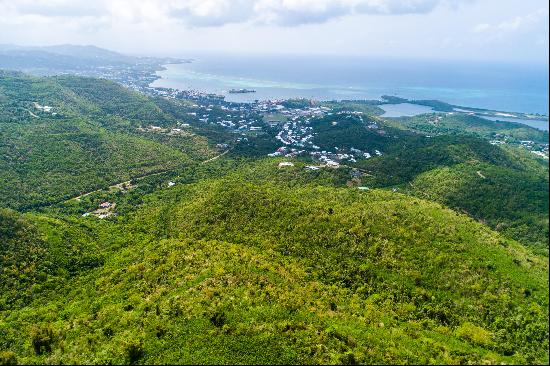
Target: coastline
x=436 y=106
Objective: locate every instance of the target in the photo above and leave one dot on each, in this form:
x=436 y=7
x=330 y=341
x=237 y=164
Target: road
x=127 y=182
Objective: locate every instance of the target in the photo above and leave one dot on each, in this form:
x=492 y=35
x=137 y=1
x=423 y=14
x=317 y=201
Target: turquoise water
x=506 y=87
x=535 y=123
x=404 y=110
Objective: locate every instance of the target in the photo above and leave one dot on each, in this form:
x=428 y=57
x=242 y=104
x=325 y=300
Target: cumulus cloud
x=517 y=24
x=531 y=28
x=53 y=8
x=210 y=13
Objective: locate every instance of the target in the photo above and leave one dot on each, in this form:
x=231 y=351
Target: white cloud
x=523 y=23
x=401 y=28
x=197 y=13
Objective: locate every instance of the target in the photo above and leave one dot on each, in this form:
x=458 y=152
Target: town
x=289 y=121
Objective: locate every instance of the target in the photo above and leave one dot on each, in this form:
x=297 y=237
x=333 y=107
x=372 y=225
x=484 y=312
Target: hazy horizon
x=471 y=30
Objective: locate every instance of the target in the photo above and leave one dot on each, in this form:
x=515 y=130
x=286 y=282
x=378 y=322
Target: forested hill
x=140 y=229
x=224 y=271
x=63 y=136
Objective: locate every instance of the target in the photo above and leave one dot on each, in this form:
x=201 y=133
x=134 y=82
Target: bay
x=504 y=87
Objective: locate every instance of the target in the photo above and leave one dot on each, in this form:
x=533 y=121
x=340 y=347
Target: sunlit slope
x=450 y=170
x=226 y=271
x=89 y=139
x=518 y=204
x=71 y=96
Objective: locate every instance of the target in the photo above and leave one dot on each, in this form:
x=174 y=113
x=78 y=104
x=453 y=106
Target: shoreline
x=488 y=114
x=382 y=99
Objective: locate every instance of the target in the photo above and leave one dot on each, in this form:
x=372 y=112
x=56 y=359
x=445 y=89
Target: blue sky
x=505 y=30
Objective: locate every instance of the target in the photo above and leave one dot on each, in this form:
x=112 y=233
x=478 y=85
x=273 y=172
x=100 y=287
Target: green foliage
x=418 y=154
x=228 y=271
x=8 y=358
x=297 y=103
x=436 y=124
x=91 y=143
x=114 y=100
x=513 y=202
x=42 y=339
x=349 y=131
x=436 y=105
x=244 y=262
x=31 y=264
x=368 y=107
x=133 y=350
x=474 y=334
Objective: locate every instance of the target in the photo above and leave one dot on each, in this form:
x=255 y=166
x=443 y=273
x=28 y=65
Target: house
x=105 y=205
x=285 y=164
x=171 y=184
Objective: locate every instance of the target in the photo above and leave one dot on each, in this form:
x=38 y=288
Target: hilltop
x=223 y=271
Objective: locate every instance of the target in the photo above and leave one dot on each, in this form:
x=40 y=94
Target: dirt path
x=127 y=182
x=216 y=157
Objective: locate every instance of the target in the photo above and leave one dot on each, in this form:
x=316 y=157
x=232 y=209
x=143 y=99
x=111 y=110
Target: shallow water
x=516 y=88
x=404 y=110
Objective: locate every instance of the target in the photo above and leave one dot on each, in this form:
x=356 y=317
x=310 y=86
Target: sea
x=496 y=86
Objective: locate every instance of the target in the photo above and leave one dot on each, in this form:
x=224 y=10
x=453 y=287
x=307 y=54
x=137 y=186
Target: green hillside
x=432 y=250
x=513 y=199
x=225 y=272
x=88 y=140
x=436 y=124
x=519 y=204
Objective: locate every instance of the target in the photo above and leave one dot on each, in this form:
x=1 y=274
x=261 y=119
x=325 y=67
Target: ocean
x=497 y=86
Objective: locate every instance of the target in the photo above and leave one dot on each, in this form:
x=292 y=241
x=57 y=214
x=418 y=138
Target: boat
x=241 y=91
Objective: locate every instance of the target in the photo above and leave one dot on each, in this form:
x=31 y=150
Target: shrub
x=474 y=334
x=42 y=339
x=8 y=358
x=133 y=350
x=218 y=319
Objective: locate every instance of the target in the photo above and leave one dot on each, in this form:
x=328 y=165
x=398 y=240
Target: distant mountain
x=89 y=53
x=66 y=58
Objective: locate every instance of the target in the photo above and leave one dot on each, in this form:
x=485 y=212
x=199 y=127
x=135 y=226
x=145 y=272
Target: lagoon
x=404 y=110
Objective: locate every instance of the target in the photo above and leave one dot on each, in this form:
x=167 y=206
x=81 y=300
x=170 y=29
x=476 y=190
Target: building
x=285 y=164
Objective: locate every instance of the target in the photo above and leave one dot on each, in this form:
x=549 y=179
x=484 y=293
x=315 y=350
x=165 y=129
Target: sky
x=491 y=30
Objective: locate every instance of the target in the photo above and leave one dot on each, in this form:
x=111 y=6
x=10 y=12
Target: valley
x=153 y=225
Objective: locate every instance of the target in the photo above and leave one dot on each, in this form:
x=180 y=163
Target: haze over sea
x=505 y=87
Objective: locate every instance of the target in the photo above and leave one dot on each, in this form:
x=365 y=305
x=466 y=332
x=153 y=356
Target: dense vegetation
x=512 y=199
x=436 y=124
x=229 y=272
x=349 y=131
x=216 y=254
x=519 y=204
x=92 y=140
